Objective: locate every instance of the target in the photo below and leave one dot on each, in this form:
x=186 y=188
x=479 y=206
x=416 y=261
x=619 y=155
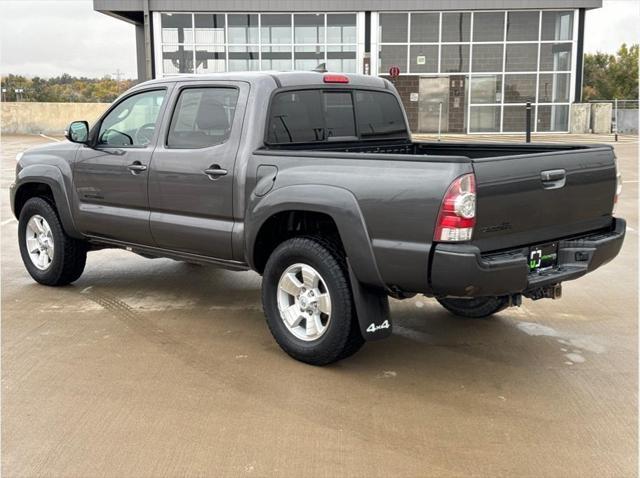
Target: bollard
x=615 y=121
x=439 y=120
x=528 y=124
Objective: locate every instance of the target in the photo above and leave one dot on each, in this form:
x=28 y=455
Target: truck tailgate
x=533 y=198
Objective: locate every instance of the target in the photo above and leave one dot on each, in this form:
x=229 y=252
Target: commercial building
x=466 y=66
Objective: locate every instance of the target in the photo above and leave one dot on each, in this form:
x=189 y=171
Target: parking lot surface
x=161 y=368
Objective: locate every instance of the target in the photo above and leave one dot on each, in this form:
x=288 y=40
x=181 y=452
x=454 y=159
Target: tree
x=607 y=77
x=64 y=88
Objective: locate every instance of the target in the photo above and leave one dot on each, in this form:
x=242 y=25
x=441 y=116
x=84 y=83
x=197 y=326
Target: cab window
x=133 y=121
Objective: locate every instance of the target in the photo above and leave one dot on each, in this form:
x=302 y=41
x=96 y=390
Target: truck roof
x=281 y=79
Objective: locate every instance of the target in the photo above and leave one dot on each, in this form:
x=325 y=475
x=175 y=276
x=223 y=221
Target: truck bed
x=526 y=193
x=423 y=148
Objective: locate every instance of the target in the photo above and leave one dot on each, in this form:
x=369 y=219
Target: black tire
x=69 y=256
x=476 y=308
x=342 y=337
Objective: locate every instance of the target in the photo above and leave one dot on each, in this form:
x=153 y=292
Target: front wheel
x=49 y=255
x=308 y=303
x=475 y=308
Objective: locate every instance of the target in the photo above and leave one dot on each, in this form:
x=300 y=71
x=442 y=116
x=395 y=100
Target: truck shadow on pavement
x=141 y=291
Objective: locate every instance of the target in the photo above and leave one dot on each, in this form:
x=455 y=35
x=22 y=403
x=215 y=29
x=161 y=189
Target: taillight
x=457 y=215
x=618 y=191
x=618 y=186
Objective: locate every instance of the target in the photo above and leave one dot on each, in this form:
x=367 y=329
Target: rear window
x=307 y=116
x=379 y=114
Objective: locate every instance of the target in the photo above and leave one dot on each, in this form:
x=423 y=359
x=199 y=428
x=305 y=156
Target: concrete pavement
x=160 y=368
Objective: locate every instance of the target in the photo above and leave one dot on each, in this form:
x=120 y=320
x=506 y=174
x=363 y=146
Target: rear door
x=530 y=199
x=192 y=172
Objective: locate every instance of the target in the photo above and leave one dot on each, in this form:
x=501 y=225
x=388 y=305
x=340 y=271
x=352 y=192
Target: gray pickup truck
x=313 y=181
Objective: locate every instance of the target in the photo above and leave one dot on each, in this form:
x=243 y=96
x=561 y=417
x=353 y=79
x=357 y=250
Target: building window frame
x=377 y=44
x=357 y=47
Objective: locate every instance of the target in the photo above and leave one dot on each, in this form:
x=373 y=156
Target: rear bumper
x=459 y=270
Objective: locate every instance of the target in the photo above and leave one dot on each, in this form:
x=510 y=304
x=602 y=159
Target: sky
x=50 y=37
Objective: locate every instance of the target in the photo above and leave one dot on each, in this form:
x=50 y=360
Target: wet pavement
x=161 y=368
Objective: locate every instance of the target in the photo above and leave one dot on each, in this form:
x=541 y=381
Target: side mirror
x=78 y=132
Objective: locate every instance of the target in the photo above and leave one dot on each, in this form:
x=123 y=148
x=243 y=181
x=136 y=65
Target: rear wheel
x=49 y=255
x=475 y=308
x=308 y=303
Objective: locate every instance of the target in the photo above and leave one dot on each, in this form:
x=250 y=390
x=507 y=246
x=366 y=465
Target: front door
x=192 y=172
x=110 y=179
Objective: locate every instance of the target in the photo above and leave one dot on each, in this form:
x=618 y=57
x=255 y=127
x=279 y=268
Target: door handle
x=215 y=171
x=137 y=167
x=553 y=178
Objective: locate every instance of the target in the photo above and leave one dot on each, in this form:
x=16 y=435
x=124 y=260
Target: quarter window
x=133 y=121
x=202 y=117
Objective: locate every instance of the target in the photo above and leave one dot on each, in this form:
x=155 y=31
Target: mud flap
x=372 y=309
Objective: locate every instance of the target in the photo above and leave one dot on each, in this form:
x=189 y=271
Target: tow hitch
x=548 y=292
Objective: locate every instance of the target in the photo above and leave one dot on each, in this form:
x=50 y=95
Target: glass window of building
x=276 y=29
x=456 y=27
x=519 y=88
x=277 y=58
x=554 y=88
x=557 y=25
x=177 y=28
x=308 y=57
x=488 y=26
x=211 y=59
x=393 y=27
x=308 y=28
x=177 y=59
x=341 y=28
x=243 y=29
x=552 y=118
x=486 y=89
x=391 y=55
x=487 y=57
x=209 y=29
x=522 y=57
x=424 y=59
x=523 y=26
x=425 y=27
x=243 y=58
x=216 y=42
x=454 y=58
x=514 y=118
x=341 y=58
x=484 y=119
x=555 y=56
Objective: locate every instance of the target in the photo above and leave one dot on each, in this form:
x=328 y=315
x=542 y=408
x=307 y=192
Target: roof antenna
x=321 y=68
